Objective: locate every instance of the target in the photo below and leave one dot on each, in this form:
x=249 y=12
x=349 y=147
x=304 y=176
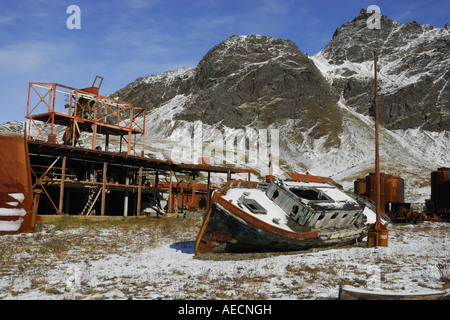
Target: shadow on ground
x=184 y=246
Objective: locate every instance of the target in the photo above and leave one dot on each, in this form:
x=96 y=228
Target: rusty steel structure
x=440 y=192
x=80 y=181
x=392 y=198
x=18 y=210
x=82 y=110
x=292 y=176
x=392 y=189
x=359 y=187
x=81 y=178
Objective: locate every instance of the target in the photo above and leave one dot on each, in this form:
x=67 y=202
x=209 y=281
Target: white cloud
x=25 y=57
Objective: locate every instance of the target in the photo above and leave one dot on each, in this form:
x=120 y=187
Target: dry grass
x=37 y=263
x=444 y=272
x=28 y=257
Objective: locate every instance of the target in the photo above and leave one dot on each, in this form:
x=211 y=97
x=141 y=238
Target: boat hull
x=228 y=229
x=350 y=293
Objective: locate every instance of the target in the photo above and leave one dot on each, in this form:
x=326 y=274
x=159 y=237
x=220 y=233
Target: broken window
x=275 y=194
x=309 y=194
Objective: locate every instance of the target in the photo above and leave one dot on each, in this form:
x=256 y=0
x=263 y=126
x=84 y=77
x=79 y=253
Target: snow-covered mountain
x=413 y=71
x=321 y=105
x=317 y=110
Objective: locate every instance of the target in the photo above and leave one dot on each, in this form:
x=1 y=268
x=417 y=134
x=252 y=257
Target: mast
x=377 y=148
x=378 y=233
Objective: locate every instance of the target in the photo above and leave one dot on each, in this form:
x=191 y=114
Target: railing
x=80 y=110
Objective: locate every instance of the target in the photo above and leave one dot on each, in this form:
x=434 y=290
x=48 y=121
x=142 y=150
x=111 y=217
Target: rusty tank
x=359 y=187
x=392 y=188
x=440 y=192
x=16 y=214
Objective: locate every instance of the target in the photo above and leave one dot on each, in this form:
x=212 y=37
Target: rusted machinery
x=391 y=187
x=403 y=212
x=440 y=192
x=84 y=109
x=393 y=197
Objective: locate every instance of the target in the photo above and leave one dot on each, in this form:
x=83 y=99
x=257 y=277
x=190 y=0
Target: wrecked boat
x=282 y=215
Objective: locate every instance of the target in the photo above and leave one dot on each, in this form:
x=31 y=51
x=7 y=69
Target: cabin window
x=309 y=194
x=254 y=206
x=294 y=210
x=334 y=215
x=322 y=215
x=275 y=194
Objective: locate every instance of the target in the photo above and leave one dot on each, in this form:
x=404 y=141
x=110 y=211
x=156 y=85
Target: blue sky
x=122 y=40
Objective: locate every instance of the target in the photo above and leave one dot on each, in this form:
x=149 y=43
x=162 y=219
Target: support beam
x=170 y=205
x=193 y=191
x=105 y=167
x=125 y=200
x=129 y=143
x=61 y=190
x=209 y=190
x=138 y=213
x=107 y=142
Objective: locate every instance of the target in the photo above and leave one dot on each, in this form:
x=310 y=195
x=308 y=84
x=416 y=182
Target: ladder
x=94 y=193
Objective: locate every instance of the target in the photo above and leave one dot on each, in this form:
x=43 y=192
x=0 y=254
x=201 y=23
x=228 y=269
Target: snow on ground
x=151 y=262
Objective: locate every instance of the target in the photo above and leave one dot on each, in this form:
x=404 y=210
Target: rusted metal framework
x=79 y=177
x=79 y=181
x=82 y=110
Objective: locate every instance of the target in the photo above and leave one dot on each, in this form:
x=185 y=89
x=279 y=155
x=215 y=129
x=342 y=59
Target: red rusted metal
x=391 y=189
x=440 y=192
x=86 y=110
x=402 y=212
x=16 y=215
x=378 y=234
x=291 y=176
x=359 y=187
x=184 y=196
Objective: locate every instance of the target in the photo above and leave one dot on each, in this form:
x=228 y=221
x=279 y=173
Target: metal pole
x=377 y=152
x=170 y=192
x=53 y=106
x=61 y=192
x=209 y=190
x=105 y=166
x=139 y=193
x=129 y=142
x=125 y=200
x=193 y=190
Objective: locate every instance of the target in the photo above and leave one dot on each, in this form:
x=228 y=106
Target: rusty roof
x=292 y=176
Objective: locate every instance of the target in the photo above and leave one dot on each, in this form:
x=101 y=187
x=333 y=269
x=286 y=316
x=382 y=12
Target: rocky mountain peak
x=413 y=70
x=227 y=57
x=260 y=81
